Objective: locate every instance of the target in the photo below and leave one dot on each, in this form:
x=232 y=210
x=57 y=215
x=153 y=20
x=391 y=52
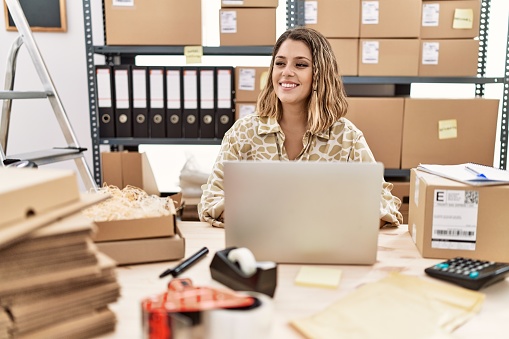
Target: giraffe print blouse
x=260 y=138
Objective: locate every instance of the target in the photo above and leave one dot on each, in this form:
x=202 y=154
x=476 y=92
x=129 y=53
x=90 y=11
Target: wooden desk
x=396 y=252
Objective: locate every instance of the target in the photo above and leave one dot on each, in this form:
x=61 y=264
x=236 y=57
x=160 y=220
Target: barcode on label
x=455 y=233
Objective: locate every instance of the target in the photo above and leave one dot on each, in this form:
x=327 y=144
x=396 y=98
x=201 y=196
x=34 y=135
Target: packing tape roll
x=253 y=322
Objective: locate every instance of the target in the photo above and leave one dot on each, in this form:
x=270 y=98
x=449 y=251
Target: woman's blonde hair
x=327 y=102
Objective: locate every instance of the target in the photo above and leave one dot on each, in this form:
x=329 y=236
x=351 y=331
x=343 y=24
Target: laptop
x=304 y=212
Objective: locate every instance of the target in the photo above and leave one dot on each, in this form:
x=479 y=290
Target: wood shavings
x=128 y=203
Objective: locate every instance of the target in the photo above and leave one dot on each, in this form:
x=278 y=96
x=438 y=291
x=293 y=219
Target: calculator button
x=473 y=274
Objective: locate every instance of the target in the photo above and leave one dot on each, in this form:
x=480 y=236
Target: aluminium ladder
x=73 y=150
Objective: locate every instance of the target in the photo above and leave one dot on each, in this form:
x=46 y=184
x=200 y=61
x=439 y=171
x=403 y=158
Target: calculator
x=469 y=273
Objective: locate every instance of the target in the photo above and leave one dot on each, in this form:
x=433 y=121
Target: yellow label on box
x=463 y=18
x=447 y=129
x=193 y=54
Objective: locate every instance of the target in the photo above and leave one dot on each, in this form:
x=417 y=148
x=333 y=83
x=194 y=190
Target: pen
x=478 y=174
x=185 y=264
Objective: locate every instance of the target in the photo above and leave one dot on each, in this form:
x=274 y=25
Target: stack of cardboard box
x=240 y=22
x=55 y=283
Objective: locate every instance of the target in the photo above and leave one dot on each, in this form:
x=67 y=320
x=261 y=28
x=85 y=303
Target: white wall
x=33 y=126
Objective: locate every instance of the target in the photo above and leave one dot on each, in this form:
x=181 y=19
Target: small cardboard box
x=244 y=108
x=247 y=26
x=374 y=117
x=334 y=19
x=137 y=251
x=440 y=131
x=388 y=57
x=249 y=3
x=450 y=19
x=449 y=58
x=390 y=19
x=30 y=192
x=128 y=168
x=449 y=219
x=249 y=81
x=347 y=55
x=153 y=22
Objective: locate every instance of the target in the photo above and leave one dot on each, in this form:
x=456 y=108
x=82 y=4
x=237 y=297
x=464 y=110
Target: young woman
x=300 y=117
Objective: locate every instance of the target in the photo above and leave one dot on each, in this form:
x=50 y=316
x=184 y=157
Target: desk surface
x=396 y=252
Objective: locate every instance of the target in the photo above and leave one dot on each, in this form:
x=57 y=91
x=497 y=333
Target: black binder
x=105 y=100
x=191 y=122
x=174 y=99
x=207 y=102
x=123 y=101
x=225 y=111
x=157 y=114
x=140 y=101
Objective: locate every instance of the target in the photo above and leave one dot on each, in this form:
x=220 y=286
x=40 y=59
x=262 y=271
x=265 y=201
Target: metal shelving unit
x=294 y=17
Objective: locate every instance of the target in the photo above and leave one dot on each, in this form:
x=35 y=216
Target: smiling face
x=292 y=74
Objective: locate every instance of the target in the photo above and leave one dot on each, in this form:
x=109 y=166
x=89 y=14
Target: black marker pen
x=185 y=264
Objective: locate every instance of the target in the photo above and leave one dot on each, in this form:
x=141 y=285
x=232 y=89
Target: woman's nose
x=287 y=71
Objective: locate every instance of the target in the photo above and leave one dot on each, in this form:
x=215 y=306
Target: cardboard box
x=247 y=27
x=449 y=131
x=449 y=219
x=334 y=19
x=153 y=22
x=153 y=227
x=388 y=57
x=27 y=192
x=128 y=168
x=450 y=19
x=137 y=251
x=374 y=117
x=347 y=55
x=249 y=3
x=390 y=19
x=449 y=58
x=244 y=108
x=249 y=81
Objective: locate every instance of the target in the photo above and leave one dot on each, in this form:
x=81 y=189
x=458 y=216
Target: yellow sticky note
x=193 y=54
x=447 y=129
x=318 y=276
x=463 y=18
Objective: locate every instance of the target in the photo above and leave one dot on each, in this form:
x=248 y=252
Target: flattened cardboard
x=137 y=251
x=19 y=231
x=26 y=192
x=492 y=233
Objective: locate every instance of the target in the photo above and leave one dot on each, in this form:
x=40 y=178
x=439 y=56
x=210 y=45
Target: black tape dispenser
x=238 y=269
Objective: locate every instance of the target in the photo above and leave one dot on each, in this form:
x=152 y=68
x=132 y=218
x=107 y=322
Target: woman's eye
x=302 y=65
x=279 y=63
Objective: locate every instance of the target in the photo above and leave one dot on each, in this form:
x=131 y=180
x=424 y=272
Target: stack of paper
x=469 y=173
x=54 y=282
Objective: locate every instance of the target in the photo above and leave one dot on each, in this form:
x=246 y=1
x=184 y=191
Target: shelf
x=384 y=80
x=160 y=141
x=130 y=51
